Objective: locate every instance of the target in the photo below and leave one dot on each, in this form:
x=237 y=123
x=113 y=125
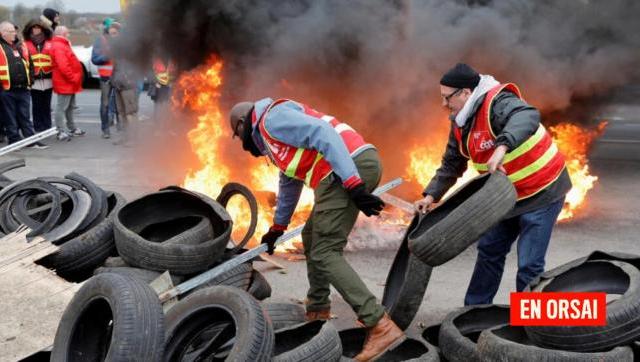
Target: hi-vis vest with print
x=304 y=164
x=42 y=62
x=531 y=167
x=5 y=77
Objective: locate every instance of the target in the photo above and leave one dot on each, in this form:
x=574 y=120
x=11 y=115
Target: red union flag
x=558 y=309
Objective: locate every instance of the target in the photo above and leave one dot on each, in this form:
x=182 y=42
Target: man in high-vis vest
x=160 y=92
x=101 y=57
x=494 y=128
x=15 y=80
x=316 y=149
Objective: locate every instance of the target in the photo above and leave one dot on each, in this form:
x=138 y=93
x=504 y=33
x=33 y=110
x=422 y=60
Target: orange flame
x=574 y=142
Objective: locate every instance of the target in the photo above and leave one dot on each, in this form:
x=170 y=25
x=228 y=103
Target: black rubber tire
x=310 y=341
x=77 y=258
x=10 y=165
x=81 y=203
x=431 y=335
x=144 y=275
x=98 y=210
x=635 y=346
x=461 y=219
x=409 y=350
x=461 y=328
x=239 y=277
x=53 y=216
x=259 y=287
x=228 y=191
x=406 y=284
x=510 y=343
x=187 y=230
x=246 y=322
x=179 y=259
x=623 y=314
x=137 y=331
x=284 y=315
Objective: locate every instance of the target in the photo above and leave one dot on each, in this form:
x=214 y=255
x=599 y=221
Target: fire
x=573 y=141
x=198 y=91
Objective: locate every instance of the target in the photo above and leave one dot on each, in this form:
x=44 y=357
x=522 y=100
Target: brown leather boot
x=318 y=315
x=380 y=338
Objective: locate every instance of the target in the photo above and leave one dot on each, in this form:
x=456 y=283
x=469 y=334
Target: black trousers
x=14 y=105
x=41 y=109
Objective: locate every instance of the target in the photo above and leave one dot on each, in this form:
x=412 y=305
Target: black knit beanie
x=460 y=76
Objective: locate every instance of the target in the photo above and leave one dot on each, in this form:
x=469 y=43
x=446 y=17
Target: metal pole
x=248 y=255
x=27 y=141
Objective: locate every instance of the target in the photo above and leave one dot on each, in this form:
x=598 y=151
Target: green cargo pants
x=324 y=237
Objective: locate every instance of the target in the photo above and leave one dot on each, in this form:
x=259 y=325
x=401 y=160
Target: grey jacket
x=513 y=121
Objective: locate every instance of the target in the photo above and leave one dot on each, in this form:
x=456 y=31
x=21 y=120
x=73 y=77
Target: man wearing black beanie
x=497 y=131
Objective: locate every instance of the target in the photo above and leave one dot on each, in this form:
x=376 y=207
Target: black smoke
x=376 y=63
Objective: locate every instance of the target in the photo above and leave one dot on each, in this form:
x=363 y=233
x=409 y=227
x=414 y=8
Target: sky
x=99 y=6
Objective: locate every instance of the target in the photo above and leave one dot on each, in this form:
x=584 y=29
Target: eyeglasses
x=448 y=97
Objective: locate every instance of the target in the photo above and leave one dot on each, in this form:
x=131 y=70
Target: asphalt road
x=609 y=220
x=88 y=103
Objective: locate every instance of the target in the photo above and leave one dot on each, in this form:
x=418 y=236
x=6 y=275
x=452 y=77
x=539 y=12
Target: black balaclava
x=247 y=139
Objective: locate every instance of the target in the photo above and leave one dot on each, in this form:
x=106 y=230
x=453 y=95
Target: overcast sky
x=99 y=6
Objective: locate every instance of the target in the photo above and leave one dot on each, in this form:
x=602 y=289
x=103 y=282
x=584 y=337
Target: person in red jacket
x=67 y=81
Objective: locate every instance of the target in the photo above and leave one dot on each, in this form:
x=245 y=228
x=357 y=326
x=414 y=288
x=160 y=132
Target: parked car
x=83 y=53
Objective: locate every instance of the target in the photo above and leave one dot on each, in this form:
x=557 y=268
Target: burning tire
x=260 y=287
x=232 y=189
x=149 y=215
x=623 y=314
x=462 y=218
x=77 y=258
x=409 y=350
x=312 y=341
x=460 y=330
x=221 y=322
x=507 y=343
x=284 y=315
x=406 y=284
x=114 y=318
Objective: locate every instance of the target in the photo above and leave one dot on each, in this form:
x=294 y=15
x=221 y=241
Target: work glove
x=271 y=236
x=368 y=203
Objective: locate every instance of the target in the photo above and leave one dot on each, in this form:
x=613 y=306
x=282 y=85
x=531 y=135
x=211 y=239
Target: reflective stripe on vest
x=105 y=70
x=42 y=61
x=531 y=167
x=5 y=76
x=304 y=164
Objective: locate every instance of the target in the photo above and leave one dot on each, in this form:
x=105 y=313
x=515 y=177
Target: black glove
x=368 y=203
x=270 y=238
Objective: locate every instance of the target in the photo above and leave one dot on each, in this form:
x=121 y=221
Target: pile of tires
x=184 y=233
x=71 y=212
x=483 y=333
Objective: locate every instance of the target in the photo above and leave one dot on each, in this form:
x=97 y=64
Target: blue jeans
x=15 y=106
x=533 y=231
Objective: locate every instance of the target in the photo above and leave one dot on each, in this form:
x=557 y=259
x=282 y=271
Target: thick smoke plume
x=376 y=64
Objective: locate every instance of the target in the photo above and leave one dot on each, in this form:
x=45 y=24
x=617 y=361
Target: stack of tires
x=71 y=212
x=184 y=233
x=483 y=333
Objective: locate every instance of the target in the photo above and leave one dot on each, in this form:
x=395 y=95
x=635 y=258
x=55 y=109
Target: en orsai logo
x=558 y=309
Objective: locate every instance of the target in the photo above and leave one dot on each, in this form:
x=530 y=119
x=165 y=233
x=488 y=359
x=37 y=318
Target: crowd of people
x=42 y=62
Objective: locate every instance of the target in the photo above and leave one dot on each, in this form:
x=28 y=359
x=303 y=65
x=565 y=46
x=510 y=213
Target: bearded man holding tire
x=313 y=148
x=492 y=126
